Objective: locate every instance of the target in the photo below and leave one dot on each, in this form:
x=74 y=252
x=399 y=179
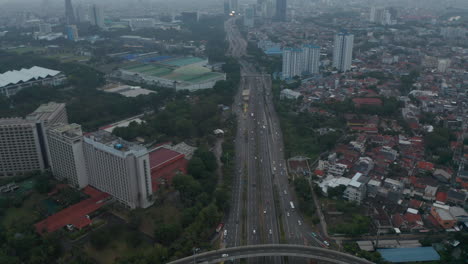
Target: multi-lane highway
x=261 y=210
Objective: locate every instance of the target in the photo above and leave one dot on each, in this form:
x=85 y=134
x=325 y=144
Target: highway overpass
x=313 y=253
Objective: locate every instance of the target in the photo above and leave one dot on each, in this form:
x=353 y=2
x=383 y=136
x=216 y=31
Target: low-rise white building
x=289 y=94
x=12 y=82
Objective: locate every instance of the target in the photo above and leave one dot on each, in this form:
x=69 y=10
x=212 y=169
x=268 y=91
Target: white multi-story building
x=311 y=60
x=139 y=23
x=23 y=143
x=443 y=65
x=20 y=150
x=292 y=62
x=45 y=28
x=343 y=51
x=119 y=168
x=356 y=189
x=65 y=146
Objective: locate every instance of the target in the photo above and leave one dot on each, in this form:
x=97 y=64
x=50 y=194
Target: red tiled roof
x=319 y=172
x=415 y=204
x=397 y=220
x=425 y=165
x=441 y=197
x=160 y=156
x=367 y=101
x=412 y=218
x=75 y=214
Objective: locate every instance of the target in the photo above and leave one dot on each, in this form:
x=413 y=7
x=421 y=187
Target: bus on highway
x=292 y=205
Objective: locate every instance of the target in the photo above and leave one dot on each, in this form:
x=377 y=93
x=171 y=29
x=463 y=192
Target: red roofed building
x=165 y=164
x=425 y=166
x=441 y=197
x=358 y=102
x=76 y=215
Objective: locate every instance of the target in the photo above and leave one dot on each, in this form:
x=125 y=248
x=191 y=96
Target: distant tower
x=343 y=51
x=311 y=58
x=281 y=10
x=97 y=17
x=69 y=14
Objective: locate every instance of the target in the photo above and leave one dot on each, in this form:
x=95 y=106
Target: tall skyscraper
x=311 y=54
x=97 y=16
x=72 y=32
x=270 y=8
x=227 y=9
x=292 y=62
x=23 y=142
x=119 y=168
x=281 y=7
x=65 y=145
x=343 y=51
x=69 y=14
x=249 y=16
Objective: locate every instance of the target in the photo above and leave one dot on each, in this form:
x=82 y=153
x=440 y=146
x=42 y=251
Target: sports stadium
x=180 y=73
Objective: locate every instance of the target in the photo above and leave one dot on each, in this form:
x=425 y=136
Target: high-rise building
x=227 y=8
x=45 y=28
x=372 y=14
x=69 y=14
x=119 y=168
x=270 y=8
x=72 y=32
x=82 y=13
x=311 y=54
x=20 y=150
x=281 y=7
x=292 y=62
x=343 y=51
x=23 y=142
x=299 y=61
x=380 y=15
x=65 y=146
x=96 y=16
x=443 y=65
x=249 y=16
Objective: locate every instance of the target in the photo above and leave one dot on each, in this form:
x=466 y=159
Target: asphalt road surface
x=261 y=211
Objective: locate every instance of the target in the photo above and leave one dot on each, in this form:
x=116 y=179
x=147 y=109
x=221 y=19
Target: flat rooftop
x=110 y=140
x=162 y=155
x=398 y=255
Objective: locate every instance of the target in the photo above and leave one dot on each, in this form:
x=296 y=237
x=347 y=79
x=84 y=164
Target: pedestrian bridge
x=272 y=250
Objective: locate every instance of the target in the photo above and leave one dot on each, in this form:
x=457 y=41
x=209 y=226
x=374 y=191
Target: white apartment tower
x=292 y=63
x=65 y=145
x=311 y=60
x=119 y=168
x=23 y=142
x=343 y=51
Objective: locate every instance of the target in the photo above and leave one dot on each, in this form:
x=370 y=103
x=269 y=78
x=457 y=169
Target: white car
x=285 y=192
x=299 y=222
x=270 y=232
x=224 y=255
x=326 y=243
x=287 y=214
x=264 y=211
x=254 y=231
